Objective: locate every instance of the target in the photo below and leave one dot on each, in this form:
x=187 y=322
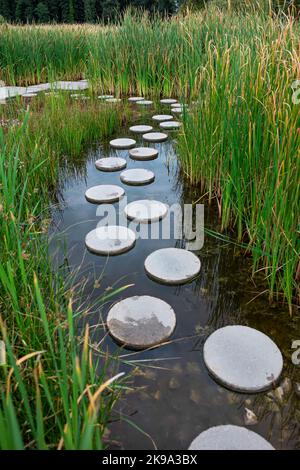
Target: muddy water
x=172 y=397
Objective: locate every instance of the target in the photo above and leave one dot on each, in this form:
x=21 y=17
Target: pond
x=172 y=396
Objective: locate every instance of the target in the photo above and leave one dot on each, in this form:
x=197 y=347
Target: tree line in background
x=90 y=11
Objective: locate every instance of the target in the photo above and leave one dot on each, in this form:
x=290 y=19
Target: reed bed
x=54 y=393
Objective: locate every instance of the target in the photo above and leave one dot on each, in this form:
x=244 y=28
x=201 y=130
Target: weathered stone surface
x=141 y=322
x=143 y=153
x=122 y=144
x=111 y=164
x=110 y=240
x=172 y=265
x=155 y=137
x=229 y=437
x=104 y=193
x=134 y=99
x=144 y=102
x=243 y=359
x=168 y=101
x=146 y=210
x=140 y=129
x=170 y=125
x=136 y=177
x=162 y=117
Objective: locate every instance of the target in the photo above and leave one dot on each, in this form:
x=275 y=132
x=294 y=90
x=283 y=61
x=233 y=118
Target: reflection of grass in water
x=53 y=393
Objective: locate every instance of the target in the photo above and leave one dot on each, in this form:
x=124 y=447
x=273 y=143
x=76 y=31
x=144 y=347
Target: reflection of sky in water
x=176 y=399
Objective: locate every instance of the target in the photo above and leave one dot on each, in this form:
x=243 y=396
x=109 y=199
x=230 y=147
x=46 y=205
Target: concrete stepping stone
x=137 y=177
x=111 y=164
x=110 y=240
x=179 y=105
x=104 y=193
x=122 y=144
x=140 y=129
x=29 y=95
x=170 y=125
x=146 y=210
x=144 y=102
x=178 y=110
x=143 y=153
x=141 y=322
x=172 y=266
x=134 y=99
x=155 y=137
x=229 y=437
x=243 y=359
x=168 y=101
x=113 y=100
x=162 y=117
x=105 y=97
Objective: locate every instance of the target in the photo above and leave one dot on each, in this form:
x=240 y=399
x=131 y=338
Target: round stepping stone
x=168 y=101
x=136 y=177
x=113 y=100
x=162 y=117
x=243 y=359
x=146 y=210
x=172 y=266
x=104 y=193
x=29 y=95
x=179 y=105
x=155 y=137
x=144 y=102
x=141 y=322
x=122 y=144
x=170 y=125
x=141 y=129
x=110 y=240
x=143 y=153
x=111 y=164
x=134 y=99
x=177 y=110
x=229 y=437
x=105 y=97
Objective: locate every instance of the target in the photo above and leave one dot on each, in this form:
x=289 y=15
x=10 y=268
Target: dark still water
x=172 y=397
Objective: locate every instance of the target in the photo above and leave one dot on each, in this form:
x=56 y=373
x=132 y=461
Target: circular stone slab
x=162 y=117
x=113 y=100
x=179 y=105
x=141 y=129
x=105 y=97
x=230 y=437
x=168 y=101
x=122 y=144
x=177 y=110
x=144 y=102
x=141 y=322
x=104 y=193
x=111 y=164
x=134 y=99
x=170 y=125
x=242 y=358
x=143 y=153
x=146 y=210
x=155 y=137
x=172 y=266
x=136 y=177
x=110 y=240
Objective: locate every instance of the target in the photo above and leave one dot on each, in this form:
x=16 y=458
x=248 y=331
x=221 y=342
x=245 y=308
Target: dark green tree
x=90 y=15
x=41 y=13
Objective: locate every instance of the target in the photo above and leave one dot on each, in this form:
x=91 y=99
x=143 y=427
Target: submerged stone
x=111 y=164
x=143 y=153
x=141 y=322
x=144 y=102
x=155 y=137
x=229 y=437
x=243 y=359
x=134 y=99
x=136 y=177
x=122 y=144
x=172 y=265
x=162 y=117
x=140 y=129
x=170 y=125
x=146 y=210
x=104 y=193
x=110 y=240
